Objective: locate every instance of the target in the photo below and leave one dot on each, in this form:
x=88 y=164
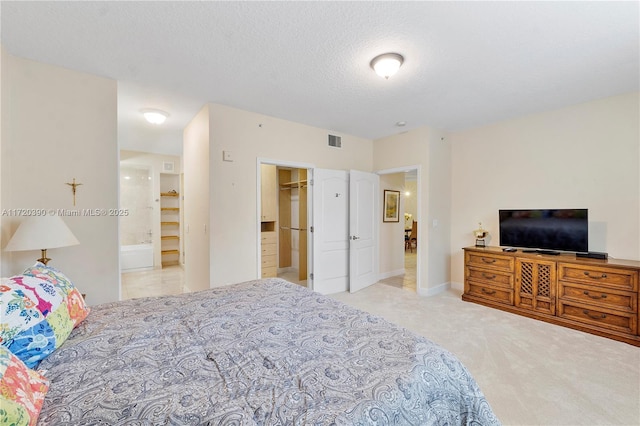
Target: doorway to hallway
x=399 y=260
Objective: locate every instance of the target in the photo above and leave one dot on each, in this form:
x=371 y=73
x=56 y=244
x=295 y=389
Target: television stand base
x=539 y=251
x=552 y=289
x=549 y=252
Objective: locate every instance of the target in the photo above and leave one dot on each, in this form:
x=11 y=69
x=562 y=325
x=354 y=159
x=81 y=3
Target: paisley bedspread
x=264 y=352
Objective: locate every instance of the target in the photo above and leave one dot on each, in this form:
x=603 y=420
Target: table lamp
x=41 y=233
x=480 y=235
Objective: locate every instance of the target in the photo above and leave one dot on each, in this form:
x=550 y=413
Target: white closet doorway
x=318 y=228
x=284 y=211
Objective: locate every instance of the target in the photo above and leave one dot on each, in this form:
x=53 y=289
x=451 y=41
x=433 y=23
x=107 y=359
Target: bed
x=264 y=352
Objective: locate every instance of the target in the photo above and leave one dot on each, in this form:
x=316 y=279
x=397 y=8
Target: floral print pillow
x=22 y=391
x=38 y=310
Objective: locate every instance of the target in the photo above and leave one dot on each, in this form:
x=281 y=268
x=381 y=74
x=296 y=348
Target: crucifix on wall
x=73 y=186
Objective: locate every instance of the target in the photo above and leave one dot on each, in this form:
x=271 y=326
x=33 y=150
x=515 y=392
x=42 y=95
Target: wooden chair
x=411 y=241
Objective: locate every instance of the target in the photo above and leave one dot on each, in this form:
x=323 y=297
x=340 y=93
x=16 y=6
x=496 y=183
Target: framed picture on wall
x=391 y=208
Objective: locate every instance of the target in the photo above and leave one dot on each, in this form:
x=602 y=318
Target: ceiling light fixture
x=155 y=116
x=387 y=64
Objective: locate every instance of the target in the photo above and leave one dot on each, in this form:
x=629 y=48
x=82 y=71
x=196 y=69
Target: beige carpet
x=532 y=373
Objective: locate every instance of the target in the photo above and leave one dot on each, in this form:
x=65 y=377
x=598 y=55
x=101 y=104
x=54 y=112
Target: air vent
x=335 y=141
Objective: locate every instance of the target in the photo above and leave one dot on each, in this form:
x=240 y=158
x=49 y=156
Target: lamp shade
x=41 y=233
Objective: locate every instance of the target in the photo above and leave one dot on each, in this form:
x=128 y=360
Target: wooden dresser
x=595 y=296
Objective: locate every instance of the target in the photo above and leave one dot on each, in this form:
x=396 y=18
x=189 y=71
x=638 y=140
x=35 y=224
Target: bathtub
x=136 y=256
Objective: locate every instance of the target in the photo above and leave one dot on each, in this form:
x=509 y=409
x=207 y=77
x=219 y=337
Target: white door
x=330 y=231
x=363 y=229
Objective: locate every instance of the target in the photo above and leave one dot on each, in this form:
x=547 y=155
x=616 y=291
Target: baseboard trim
x=390 y=274
x=457 y=286
x=434 y=290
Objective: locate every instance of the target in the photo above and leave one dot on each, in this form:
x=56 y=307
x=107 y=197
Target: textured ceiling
x=466 y=63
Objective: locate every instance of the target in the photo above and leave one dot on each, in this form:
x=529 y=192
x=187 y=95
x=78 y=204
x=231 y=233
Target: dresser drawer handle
x=602 y=296
x=488 y=260
x=595 y=317
x=485 y=291
x=489 y=277
x=594 y=276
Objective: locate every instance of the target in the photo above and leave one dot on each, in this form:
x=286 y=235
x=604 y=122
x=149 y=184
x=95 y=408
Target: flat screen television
x=559 y=229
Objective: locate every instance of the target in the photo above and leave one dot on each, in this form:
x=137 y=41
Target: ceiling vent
x=335 y=141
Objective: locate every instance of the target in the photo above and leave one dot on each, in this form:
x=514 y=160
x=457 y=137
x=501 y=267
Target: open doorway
x=151 y=193
x=284 y=215
x=400 y=242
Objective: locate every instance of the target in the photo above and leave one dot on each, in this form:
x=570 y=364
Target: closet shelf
x=170 y=218
x=294 y=184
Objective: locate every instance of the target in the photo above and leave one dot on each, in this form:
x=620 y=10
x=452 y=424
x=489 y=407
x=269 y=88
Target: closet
x=284 y=222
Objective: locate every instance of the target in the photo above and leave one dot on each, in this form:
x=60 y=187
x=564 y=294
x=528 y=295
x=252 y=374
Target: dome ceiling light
x=387 y=64
x=155 y=116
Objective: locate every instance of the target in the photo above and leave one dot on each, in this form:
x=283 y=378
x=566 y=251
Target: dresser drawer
x=487 y=292
x=269 y=272
x=269 y=261
x=493 y=278
x=604 y=318
x=624 y=279
x=599 y=296
x=269 y=249
x=486 y=260
x=268 y=237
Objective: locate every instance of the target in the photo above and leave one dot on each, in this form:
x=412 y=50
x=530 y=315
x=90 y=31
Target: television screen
x=561 y=229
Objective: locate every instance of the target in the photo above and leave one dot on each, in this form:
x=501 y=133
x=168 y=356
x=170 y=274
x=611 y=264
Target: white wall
x=155 y=162
x=63 y=126
x=233 y=208
x=410 y=201
x=3 y=83
x=584 y=156
x=392 y=233
x=425 y=149
x=438 y=219
x=196 y=201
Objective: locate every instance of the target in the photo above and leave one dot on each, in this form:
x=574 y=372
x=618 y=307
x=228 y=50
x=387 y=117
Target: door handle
x=355 y=238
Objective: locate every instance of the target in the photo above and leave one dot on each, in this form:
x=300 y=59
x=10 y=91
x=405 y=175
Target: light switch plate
x=227 y=156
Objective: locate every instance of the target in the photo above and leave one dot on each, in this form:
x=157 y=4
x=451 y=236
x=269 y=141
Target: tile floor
x=153 y=282
x=406 y=281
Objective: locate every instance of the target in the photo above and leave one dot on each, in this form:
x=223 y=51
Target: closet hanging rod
x=287 y=188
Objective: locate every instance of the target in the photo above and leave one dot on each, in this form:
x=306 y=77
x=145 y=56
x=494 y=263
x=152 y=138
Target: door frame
x=295 y=165
x=421 y=228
